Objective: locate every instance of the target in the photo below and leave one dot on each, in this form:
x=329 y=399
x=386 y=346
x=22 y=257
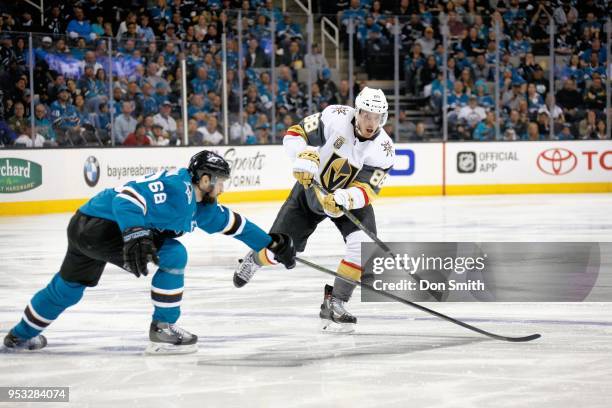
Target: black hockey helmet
x=208 y=163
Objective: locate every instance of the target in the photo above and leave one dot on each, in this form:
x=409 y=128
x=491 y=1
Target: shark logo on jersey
x=337 y=173
x=189 y=192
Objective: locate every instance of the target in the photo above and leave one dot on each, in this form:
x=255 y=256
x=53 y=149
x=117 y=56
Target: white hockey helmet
x=373 y=100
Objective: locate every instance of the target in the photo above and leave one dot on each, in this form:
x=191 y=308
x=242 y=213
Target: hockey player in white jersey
x=347 y=150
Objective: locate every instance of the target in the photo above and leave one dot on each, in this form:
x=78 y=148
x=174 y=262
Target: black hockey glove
x=283 y=249
x=138 y=250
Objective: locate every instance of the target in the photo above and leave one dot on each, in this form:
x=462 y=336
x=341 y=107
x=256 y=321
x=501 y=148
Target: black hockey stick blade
x=420 y=307
x=434 y=293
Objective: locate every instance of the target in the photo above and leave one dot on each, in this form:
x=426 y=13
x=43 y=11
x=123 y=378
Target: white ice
x=260 y=346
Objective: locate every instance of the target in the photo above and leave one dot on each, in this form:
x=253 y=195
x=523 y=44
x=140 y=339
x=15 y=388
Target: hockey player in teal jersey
x=137 y=223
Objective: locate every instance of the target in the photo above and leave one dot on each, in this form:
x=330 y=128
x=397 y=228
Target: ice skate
x=245 y=270
x=168 y=338
x=334 y=317
x=14 y=343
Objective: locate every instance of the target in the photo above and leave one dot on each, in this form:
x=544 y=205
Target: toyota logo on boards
x=557 y=161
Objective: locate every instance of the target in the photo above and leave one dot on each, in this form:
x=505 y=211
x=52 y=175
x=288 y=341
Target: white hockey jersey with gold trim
x=346 y=160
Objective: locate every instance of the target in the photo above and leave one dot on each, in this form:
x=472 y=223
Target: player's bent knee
x=172 y=257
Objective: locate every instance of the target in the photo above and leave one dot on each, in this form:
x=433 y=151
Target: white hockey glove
x=333 y=202
x=305 y=166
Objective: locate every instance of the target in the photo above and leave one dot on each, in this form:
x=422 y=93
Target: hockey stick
x=436 y=294
x=416 y=305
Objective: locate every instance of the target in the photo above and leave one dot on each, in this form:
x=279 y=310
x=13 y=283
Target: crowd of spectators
x=577 y=104
x=73 y=69
x=72 y=49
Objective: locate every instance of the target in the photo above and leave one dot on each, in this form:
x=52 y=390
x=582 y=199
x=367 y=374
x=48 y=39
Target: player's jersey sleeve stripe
x=134 y=197
x=296 y=130
x=236 y=227
x=241 y=227
x=365 y=196
x=368 y=191
x=230 y=221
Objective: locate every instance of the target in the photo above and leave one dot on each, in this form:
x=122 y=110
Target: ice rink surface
x=260 y=346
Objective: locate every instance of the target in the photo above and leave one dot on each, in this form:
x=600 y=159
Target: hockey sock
x=343 y=289
x=46 y=305
x=264 y=257
x=166 y=294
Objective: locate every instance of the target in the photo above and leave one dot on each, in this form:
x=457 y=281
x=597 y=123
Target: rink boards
x=57 y=180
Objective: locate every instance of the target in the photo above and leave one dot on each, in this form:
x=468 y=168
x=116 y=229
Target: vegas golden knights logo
x=337 y=173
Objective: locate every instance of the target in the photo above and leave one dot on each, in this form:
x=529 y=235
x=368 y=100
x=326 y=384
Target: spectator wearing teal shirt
x=269 y=10
x=232 y=55
x=87 y=83
x=534 y=99
x=565 y=133
x=196 y=109
x=7 y=136
x=144 y=31
x=169 y=54
x=368 y=31
x=283 y=81
x=63 y=113
x=513 y=13
x=594 y=68
x=519 y=45
x=261 y=29
x=596 y=48
x=102 y=121
x=161 y=11
x=287 y=29
x=98 y=27
x=102 y=85
x=457 y=98
x=148 y=102
x=437 y=91
x=43 y=125
x=161 y=92
x=485 y=130
x=462 y=62
x=79 y=27
x=354 y=12
x=201 y=83
x=573 y=70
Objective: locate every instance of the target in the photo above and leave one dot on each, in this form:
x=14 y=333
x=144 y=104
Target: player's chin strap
x=434 y=293
x=420 y=307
